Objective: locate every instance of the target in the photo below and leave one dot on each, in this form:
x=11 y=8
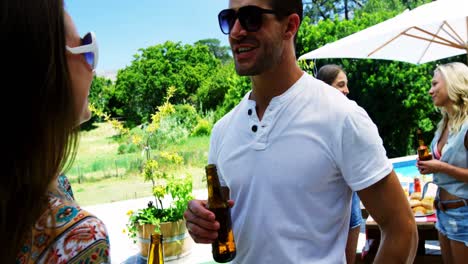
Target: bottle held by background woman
x=224 y=248
x=423 y=150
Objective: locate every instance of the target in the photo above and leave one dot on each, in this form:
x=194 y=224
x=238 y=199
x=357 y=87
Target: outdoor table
x=426 y=231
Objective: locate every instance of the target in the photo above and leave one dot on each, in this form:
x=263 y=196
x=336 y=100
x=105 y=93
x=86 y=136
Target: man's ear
x=292 y=26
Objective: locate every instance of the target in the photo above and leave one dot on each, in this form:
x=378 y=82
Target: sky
x=124 y=26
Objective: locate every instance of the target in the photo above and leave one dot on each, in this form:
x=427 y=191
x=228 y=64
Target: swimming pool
x=405 y=168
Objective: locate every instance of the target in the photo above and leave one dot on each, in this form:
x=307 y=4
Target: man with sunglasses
x=292 y=151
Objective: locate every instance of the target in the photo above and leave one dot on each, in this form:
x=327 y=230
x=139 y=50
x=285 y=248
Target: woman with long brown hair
x=50 y=70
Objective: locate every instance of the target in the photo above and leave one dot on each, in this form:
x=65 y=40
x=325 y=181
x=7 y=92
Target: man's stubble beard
x=269 y=58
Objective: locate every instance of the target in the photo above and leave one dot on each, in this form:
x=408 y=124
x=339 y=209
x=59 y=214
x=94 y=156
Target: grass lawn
x=100 y=175
x=111 y=190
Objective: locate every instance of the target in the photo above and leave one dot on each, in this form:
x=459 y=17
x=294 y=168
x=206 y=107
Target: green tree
x=318 y=10
x=390 y=5
x=141 y=87
x=99 y=92
x=312 y=36
x=395 y=94
x=213 y=90
x=240 y=86
x=220 y=52
x=99 y=95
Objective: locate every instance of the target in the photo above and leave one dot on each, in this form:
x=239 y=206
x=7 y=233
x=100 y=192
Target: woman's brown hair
x=328 y=73
x=39 y=118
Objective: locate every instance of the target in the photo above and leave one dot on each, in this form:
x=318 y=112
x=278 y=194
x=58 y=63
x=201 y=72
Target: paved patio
x=123 y=250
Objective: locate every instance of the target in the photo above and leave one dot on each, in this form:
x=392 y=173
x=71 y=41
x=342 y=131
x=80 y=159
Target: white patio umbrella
x=427 y=33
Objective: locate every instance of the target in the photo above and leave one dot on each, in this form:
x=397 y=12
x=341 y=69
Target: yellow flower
x=136 y=139
x=124 y=231
x=130 y=212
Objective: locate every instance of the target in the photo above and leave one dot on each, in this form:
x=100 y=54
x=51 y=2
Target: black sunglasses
x=250 y=18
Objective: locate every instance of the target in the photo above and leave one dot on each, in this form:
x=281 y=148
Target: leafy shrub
x=213 y=89
x=169 y=132
x=125 y=148
x=234 y=95
x=131 y=148
x=122 y=149
x=202 y=128
x=140 y=87
x=186 y=116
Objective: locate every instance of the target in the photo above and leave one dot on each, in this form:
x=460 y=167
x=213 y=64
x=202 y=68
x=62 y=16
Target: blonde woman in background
x=449 y=166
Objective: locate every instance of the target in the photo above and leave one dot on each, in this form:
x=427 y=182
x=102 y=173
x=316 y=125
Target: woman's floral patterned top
x=65 y=233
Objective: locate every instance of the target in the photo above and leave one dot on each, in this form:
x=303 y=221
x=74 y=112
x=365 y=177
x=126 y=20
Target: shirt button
x=254 y=128
x=249 y=112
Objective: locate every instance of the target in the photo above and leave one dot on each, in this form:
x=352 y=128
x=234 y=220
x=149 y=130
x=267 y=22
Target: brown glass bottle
x=224 y=248
x=155 y=252
x=423 y=150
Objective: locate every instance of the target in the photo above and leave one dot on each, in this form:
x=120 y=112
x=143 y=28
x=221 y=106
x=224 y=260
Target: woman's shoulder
x=65 y=186
x=65 y=233
x=84 y=241
x=81 y=236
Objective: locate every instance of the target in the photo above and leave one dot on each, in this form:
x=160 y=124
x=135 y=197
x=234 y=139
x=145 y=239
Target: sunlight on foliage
x=114 y=122
x=158 y=169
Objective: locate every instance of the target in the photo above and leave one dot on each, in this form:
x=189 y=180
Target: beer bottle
x=155 y=252
x=423 y=150
x=224 y=248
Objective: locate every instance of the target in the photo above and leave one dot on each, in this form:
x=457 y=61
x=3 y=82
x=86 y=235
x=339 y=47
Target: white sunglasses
x=89 y=49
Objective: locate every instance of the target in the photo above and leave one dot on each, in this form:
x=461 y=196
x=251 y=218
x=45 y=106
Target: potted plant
x=171 y=193
x=165 y=220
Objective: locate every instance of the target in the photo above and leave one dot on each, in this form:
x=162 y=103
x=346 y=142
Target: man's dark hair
x=287 y=7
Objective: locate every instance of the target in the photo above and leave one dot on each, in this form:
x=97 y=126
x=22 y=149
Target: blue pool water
x=406 y=169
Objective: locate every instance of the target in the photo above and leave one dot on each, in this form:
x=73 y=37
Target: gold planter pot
x=176 y=240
